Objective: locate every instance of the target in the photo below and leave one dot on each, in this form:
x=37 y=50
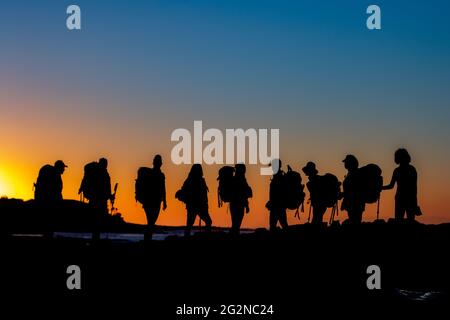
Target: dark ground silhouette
x=300 y=270
x=18 y=216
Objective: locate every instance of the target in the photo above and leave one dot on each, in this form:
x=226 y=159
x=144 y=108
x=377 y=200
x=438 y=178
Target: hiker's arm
x=250 y=191
x=80 y=190
x=164 y=194
x=391 y=184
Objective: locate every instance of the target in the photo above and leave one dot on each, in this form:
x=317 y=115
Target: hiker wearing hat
x=353 y=200
x=48 y=187
x=60 y=167
x=48 y=192
x=314 y=188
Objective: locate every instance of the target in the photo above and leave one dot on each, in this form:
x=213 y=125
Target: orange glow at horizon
x=32 y=140
x=4 y=187
x=15 y=182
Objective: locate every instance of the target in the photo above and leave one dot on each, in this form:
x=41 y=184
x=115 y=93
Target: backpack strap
x=310 y=207
x=334 y=211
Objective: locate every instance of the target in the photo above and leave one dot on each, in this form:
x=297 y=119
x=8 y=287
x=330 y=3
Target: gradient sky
x=135 y=72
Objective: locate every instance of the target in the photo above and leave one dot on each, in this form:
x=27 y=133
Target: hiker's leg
x=352 y=212
x=350 y=215
x=273 y=219
x=324 y=210
x=191 y=215
x=317 y=218
x=237 y=218
x=283 y=219
x=240 y=217
x=204 y=215
x=104 y=207
x=234 y=217
x=353 y=215
x=358 y=216
x=399 y=210
x=152 y=213
x=410 y=214
x=318 y=213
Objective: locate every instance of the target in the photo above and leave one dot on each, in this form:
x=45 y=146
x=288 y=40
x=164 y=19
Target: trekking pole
x=378 y=208
x=333 y=212
x=297 y=214
x=331 y=216
x=309 y=214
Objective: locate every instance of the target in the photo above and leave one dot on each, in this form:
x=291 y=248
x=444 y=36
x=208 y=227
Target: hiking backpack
x=293 y=189
x=329 y=189
x=144 y=186
x=88 y=184
x=225 y=189
x=370 y=182
x=180 y=195
x=43 y=185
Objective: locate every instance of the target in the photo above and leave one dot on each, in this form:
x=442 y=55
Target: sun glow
x=8 y=185
x=4 y=190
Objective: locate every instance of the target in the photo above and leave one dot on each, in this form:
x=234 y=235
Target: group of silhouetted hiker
x=361 y=186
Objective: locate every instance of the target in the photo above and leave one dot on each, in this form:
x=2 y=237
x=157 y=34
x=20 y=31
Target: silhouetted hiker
x=194 y=193
x=150 y=191
x=241 y=192
x=405 y=175
x=96 y=188
x=48 y=192
x=324 y=192
x=353 y=200
x=313 y=188
x=276 y=203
